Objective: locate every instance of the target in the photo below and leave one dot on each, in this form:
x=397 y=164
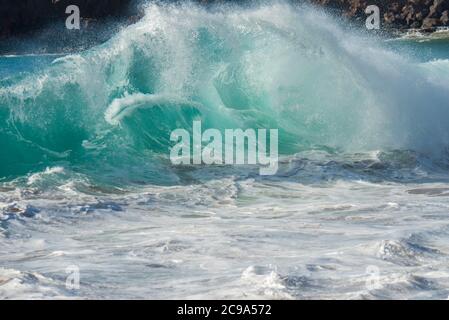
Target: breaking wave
x=271 y=65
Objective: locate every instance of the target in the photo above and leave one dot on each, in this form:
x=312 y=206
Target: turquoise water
x=314 y=89
x=13 y=65
x=423 y=51
x=363 y=123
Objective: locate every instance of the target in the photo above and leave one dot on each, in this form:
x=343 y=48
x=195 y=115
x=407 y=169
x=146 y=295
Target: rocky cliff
x=25 y=16
x=398 y=14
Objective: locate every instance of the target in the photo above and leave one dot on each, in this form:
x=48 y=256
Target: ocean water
x=359 y=208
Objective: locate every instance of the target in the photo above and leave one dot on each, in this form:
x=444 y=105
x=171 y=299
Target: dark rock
x=430 y=23
x=397 y=14
x=17 y=17
x=445 y=18
x=389 y=18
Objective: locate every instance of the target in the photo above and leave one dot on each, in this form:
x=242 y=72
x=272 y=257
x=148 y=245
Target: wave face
x=273 y=66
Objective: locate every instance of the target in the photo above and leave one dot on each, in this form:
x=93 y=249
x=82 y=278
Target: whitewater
x=357 y=210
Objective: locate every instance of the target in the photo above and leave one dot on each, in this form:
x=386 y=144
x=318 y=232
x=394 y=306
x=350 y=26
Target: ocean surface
x=359 y=208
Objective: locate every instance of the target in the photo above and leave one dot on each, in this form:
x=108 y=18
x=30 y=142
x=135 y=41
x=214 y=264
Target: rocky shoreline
x=424 y=15
x=101 y=18
x=26 y=16
x=19 y=17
